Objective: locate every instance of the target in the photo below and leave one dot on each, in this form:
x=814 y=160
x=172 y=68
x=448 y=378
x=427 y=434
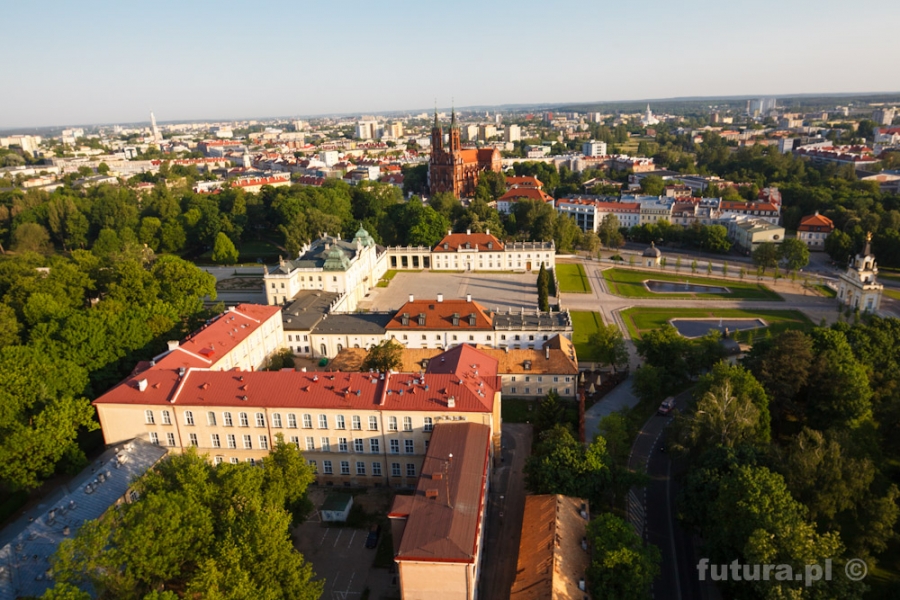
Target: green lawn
x=386 y=280
x=641 y=319
x=630 y=284
x=892 y=293
x=826 y=291
x=584 y=323
x=572 y=278
x=517 y=410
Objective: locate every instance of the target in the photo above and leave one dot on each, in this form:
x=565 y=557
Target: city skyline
x=108 y=63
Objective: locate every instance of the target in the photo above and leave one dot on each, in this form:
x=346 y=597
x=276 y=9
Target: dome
x=652 y=251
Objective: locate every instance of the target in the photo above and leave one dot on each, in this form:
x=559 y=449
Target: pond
x=693 y=328
x=673 y=287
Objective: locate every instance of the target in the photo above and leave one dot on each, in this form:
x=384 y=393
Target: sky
x=95 y=61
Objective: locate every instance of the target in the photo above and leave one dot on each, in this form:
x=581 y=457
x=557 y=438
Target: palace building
x=455 y=169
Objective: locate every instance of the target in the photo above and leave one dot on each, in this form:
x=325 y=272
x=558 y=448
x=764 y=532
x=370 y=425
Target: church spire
x=436 y=125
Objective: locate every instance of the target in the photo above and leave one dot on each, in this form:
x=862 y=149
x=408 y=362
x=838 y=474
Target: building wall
x=532 y=385
x=437 y=581
x=507 y=260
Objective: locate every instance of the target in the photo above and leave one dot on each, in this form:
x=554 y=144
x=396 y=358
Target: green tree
x=652 y=185
x=838 y=394
x=608 y=232
x=793 y=253
x=621 y=565
x=550 y=412
x=224 y=252
x=543 y=289
x=384 y=356
x=839 y=246
x=766 y=255
x=30 y=237
x=182 y=284
x=782 y=365
x=561 y=464
x=608 y=344
x=9 y=327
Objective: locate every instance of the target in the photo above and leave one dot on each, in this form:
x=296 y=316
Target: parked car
x=372 y=538
x=666 y=407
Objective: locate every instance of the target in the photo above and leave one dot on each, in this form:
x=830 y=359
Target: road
x=652 y=512
x=505 y=510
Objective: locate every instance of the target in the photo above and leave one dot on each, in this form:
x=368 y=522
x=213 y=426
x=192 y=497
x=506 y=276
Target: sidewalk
x=621 y=397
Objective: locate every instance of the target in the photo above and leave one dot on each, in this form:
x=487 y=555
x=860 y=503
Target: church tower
x=437 y=134
x=858 y=288
x=455 y=144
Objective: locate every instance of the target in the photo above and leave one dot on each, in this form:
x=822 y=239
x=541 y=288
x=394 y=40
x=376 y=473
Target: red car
x=666 y=407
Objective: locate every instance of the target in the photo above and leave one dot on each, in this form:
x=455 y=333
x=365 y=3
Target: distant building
x=594 y=148
x=589 y=213
x=513 y=133
x=884 y=116
x=648 y=118
x=747 y=233
x=814 y=229
x=455 y=169
x=368 y=129
x=486 y=132
x=652 y=256
x=858 y=288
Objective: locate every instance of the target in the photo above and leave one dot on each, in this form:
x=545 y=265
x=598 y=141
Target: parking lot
x=492 y=290
x=338 y=555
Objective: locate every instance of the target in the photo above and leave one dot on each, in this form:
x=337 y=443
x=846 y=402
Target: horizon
x=109 y=63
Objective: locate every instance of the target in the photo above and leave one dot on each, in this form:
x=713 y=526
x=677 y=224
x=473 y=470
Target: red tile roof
x=439 y=316
x=816 y=220
x=524 y=181
x=748 y=206
x=525 y=193
x=444 y=515
x=456 y=241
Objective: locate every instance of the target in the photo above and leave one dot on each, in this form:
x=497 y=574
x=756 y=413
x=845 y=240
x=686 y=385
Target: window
x=407 y=423
x=360 y=468
x=232 y=441
x=166 y=417
x=276 y=420
x=218 y=460
x=410 y=469
x=214 y=439
x=395 y=469
x=392 y=423
x=357 y=422
x=409 y=446
x=154 y=439
x=326 y=444
x=211 y=419
x=148 y=417
x=376 y=469
x=568 y=390
x=295 y=440
x=323 y=421
x=555 y=379
x=226 y=419
x=339 y=422
x=242 y=417
x=307 y=421
x=170 y=439
x=395 y=446
x=188 y=417
x=193 y=438
x=326 y=467
x=313 y=465
x=540 y=390
x=373 y=423
x=471 y=338
x=264 y=442
x=429 y=424
x=374 y=446
x=292 y=421
x=342 y=444
x=248 y=444
x=234 y=460
x=345 y=467
x=358 y=446
x=512 y=390
x=310 y=442
x=513 y=378
x=260 y=420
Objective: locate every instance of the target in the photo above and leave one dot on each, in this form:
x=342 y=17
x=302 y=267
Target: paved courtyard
x=492 y=290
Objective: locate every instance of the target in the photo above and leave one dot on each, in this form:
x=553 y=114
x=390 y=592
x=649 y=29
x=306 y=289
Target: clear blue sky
x=106 y=62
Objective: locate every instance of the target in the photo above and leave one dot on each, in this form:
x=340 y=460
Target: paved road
x=652 y=512
x=505 y=510
x=619 y=398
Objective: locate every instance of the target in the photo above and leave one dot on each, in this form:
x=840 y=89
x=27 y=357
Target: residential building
x=513 y=133
x=858 y=156
x=439 y=530
x=518 y=193
x=553 y=554
x=368 y=129
x=653 y=211
x=858 y=287
x=764 y=211
x=484 y=252
x=636 y=165
x=455 y=169
x=814 y=229
x=594 y=148
x=589 y=213
x=486 y=132
x=884 y=115
x=747 y=233
x=332 y=265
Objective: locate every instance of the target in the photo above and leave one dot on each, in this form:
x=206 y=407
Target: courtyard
x=492 y=290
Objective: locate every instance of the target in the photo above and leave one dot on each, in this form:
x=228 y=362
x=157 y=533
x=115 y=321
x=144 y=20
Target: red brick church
x=455 y=169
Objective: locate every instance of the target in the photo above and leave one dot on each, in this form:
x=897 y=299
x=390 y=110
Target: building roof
x=337 y=502
x=525 y=193
x=652 y=251
x=523 y=320
x=551 y=560
x=443 y=517
x=748 y=206
x=306 y=309
x=816 y=220
x=440 y=316
x=353 y=323
x=527 y=181
x=453 y=242
x=327 y=252
x=621 y=207
x=27 y=544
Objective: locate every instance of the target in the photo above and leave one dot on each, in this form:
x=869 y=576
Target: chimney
x=468 y=297
x=172 y=344
x=142 y=385
x=440 y=297
x=451 y=402
x=487 y=232
x=468 y=232
x=547 y=352
x=412 y=298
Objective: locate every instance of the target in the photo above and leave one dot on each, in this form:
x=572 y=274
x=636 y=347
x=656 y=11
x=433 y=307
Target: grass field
x=572 y=279
x=892 y=293
x=584 y=323
x=631 y=285
x=825 y=290
x=641 y=319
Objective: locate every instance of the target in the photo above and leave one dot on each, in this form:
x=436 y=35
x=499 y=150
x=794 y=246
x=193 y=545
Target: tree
x=103 y=168
x=721 y=418
x=550 y=412
x=838 y=394
x=9 y=327
x=794 y=254
x=609 y=346
x=224 y=252
x=652 y=185
x=182 y=284
x=609 y=230
x=621 y=565
x=210 y=531
x=30 y=237
x=782 y=365
x=561 y=464
x=766 y=255
x=543 y=289
x=839 y=246
x=384 y=356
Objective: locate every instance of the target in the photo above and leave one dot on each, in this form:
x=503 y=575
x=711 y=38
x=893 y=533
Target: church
x=455 y=169
x=858 y=288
